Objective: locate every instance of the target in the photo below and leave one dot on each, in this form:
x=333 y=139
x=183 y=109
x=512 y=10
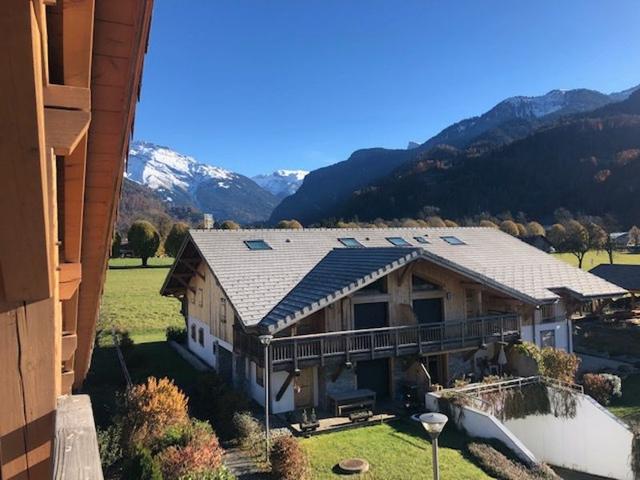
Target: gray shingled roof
x=625 y=276
x=340 y=272
x=256 y=281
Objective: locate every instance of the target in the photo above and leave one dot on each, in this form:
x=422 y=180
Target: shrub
x=110 y=445
x=500 y=466
x=142 y=466
x=214 y=401
x=198 y=454
x=602 y=387
x=151 y=408
x=249 y=431
x=177 y=334
x=220 y=474
x=288 y=460
x=559 y=365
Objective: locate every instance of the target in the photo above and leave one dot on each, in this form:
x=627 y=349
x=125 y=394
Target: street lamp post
x=266 y=340
x=433 y=423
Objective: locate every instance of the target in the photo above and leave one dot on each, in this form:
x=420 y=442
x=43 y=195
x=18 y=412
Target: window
x=259 y=375
x=223 y=310
x=379 y=286
x=201 y=336
x=420 y=239
x=192 y=296
x=398 y=241
x=547 y=312
x=193 y=332
x=257 y=245
x=419 y=283
x=453 y=240
x=350 y=242
x=200 y=297
x=548 y=338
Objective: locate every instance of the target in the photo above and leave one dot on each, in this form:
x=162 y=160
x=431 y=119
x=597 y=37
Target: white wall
x=286 y=403
x=562 y=329
x=482 y=425
x=594 y=441
x=206 y=352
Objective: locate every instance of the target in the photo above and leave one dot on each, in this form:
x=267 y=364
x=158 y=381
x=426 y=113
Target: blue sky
x=258 y=85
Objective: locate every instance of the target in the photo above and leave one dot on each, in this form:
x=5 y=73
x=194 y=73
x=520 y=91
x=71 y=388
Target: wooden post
x=322 y=351
x=372 y=346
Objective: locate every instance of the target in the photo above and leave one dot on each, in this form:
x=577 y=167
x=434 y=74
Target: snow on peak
x=163 y=169
x=538 y=106
x=281 y=183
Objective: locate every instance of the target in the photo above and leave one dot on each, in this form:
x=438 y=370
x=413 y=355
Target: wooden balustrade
x=366 y=344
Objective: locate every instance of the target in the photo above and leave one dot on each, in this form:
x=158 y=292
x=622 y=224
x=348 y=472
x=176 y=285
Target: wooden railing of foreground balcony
x=368 y=344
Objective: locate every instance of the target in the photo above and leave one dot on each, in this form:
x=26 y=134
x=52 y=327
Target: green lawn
x=628 y=407
x=394 y=451
x=132 y=300
x=593 y=259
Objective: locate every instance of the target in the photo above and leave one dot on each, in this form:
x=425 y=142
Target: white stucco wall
x=482 y=425
x=594 y=441
x=286 y=403
x=205 y=352
x=531 y=333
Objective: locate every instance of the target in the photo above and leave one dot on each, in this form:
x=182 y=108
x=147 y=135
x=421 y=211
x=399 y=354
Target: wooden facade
x=69 y=84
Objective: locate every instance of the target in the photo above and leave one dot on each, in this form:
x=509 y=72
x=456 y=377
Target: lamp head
x=265 y=339
x=433 y=423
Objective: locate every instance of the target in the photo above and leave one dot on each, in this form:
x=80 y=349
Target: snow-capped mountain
x=281 y=183
x=183 y=181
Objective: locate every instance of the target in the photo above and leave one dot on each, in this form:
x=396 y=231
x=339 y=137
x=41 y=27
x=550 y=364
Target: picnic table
x=352 y=400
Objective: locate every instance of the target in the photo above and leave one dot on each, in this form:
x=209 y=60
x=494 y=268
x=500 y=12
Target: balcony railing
x=353 y=345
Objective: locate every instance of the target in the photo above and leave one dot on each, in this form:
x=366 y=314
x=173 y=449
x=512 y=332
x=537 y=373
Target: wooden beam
x=74 y=188
x=69 y=344
x=24 y=247
x=66 y=96
x=285 y=385
x=70 y=277
x=77 y=41
x=65 y=129
x=193 y=269
x=67 y=381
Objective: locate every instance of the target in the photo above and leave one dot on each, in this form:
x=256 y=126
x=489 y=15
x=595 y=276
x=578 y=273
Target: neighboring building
x=69 y=84
x=540 y=242
x=369 y=308
x=620 y=239
x=625 y=276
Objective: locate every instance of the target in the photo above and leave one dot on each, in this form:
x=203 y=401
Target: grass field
x=132 y=299
x=394 y=451
x=593 y=259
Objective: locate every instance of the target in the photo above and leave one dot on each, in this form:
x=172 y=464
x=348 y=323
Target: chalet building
x=69 y=84
x=368 y=309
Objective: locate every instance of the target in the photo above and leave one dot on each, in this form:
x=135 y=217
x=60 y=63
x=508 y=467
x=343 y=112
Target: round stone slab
x=354 y=465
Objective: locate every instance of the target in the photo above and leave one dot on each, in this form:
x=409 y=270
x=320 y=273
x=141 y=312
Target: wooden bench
x=345 y=402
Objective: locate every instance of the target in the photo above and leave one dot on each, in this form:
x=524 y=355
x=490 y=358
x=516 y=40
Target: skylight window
x=453 y=240
x=257 y=245
x=420 y=239
x=350 y=242
x=398 y=241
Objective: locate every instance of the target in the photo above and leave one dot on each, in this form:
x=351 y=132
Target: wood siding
x=205 y=299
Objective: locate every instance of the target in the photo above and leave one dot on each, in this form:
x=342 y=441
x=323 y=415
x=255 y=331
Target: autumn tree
x=487 y=224
x=582 y=238
x=534 y=229
x=557 y=234
x=436 y=222
x=144 y=240
x=522 y=230
x=289 y=224
x=634 y=236
x=176 y=236
x=450 y=223
x=229 y=225
x=510 y=227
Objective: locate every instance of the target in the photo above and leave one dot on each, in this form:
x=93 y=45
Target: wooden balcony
x=347 y=346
